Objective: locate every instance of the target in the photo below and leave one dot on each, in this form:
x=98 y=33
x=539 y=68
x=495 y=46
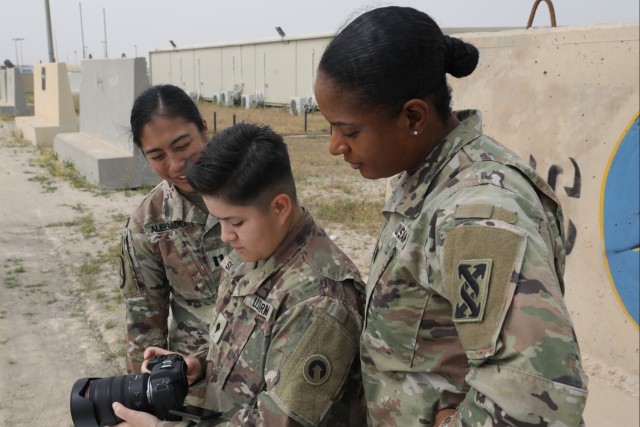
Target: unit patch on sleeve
x=316 y=369
x=471 y=288
x=481 y=264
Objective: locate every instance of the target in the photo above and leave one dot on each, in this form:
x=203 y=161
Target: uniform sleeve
x=145 y=290
x=308 y=367
x=508 y=309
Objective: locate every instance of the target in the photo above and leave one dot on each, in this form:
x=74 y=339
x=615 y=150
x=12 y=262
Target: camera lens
x=91 y=398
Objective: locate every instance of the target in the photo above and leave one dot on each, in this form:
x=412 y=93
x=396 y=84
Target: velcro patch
x=480 y=299
x=259 y=305
x=470 y=290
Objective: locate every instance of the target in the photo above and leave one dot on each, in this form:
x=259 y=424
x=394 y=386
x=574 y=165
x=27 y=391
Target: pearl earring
x=415 y=133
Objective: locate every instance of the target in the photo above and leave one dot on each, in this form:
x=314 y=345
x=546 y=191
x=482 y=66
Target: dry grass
x=336 y=194
x=277 y=117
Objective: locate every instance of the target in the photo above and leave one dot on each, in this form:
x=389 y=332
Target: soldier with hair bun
x=171 y=246
x=465 y=322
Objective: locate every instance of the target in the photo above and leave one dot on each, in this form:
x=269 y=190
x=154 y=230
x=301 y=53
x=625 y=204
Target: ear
x=280 y=207
x=205 y=128
x=416 y=112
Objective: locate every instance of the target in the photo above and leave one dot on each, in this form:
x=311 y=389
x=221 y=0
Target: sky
x=135 y=27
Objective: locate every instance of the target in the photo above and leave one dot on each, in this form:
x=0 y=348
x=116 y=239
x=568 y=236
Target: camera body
x=159 y=393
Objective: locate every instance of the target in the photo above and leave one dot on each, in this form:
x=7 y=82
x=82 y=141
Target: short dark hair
x=162 y=101
x=390 y=55
x=245 y=165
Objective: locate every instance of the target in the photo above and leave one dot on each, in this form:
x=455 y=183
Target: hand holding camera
x=160 y=392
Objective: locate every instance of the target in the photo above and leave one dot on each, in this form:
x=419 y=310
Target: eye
x=157 y=157
x=237 y=224
x=183 y=146
x=351 y=134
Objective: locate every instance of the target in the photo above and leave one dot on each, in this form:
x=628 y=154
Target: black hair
x=162 y=101
x=245 y=165
x=390 y=55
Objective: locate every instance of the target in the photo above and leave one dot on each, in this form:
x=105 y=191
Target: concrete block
x=54 y=110
x=103 y=163
x=12 y=99
x=103 y=150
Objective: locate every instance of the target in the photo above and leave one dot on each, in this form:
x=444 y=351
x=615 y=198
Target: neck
x=440 y=130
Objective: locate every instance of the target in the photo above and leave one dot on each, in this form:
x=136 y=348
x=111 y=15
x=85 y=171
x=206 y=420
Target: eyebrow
x=340 y=123
x=175 y=141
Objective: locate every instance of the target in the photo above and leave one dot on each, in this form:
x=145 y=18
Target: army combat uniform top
x=171 y=252
x=465 y=295
x=284 y=338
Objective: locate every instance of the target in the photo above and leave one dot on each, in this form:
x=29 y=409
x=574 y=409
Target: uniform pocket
x=395 y=307
x=195 y=267
x=237 y=361
x=129 y=269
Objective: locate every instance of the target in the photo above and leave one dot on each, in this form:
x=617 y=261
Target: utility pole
x=84 y=50
x=15 y=41
x=104 y=18
x=52 y=58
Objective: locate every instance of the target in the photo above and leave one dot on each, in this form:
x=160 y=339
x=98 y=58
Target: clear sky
x=138 y=26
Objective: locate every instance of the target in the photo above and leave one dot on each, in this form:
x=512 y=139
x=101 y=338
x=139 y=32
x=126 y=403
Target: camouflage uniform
x=465 y=295
x=170 y=265
x=284 y=338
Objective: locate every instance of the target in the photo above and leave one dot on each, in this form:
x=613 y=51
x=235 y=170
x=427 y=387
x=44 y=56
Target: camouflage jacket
x=170 y=265
x=464 y=301
x=284 y=338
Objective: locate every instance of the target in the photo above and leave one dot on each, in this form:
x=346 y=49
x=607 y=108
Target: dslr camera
x=161 y=393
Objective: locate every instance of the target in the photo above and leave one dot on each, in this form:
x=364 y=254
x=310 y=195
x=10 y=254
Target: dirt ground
x=61 y=317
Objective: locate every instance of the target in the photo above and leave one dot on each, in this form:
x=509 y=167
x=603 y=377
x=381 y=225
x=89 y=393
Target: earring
x=415 y=133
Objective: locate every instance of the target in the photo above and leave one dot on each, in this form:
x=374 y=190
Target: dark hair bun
x=460 y=58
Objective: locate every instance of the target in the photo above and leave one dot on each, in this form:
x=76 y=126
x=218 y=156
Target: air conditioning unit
x=301 y=104
x=249 y=101
x=215 y=98
x=298 y=105
x=227 y=97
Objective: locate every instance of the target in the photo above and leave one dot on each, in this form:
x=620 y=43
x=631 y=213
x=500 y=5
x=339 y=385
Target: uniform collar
x=410 y=190
x=251 y=276
x=176 y=207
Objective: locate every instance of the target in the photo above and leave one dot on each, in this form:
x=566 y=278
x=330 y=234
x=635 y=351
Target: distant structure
x=102 y=151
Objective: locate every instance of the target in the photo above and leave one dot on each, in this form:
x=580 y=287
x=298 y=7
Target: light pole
x=15 y=41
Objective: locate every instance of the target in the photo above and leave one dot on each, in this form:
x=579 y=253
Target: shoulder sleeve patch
x=480 y=265
x=316 y=370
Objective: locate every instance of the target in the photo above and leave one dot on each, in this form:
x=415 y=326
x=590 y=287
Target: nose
x=226 y=233
x=176 y=165
x=337 y=145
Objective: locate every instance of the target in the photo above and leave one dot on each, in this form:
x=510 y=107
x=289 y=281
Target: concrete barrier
x=54 y=110
x=567 y=99
x=12 y=99
x=103 y=151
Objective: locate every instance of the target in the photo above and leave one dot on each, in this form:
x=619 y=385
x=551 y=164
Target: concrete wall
x=12 y=99
x=567 y=99
x=54 y=110
x=103 y=151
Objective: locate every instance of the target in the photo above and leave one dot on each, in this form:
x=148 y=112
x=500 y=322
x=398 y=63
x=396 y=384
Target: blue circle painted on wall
x=621 y=219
